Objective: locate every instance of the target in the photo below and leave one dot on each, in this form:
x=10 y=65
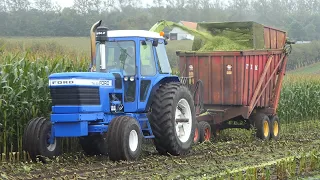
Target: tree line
x=300 y=18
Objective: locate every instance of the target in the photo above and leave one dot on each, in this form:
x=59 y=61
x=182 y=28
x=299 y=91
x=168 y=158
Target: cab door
x=148 y=72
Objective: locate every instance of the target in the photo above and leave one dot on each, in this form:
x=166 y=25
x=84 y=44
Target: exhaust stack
x=93 y=39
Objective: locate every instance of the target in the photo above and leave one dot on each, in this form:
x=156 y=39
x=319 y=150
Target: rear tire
x=262 y=123
x=35 y=140
x=170 y=102
x=124 y=139
x=275 y=127
x=205 y=131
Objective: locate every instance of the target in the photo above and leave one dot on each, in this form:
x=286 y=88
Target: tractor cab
x=136 y=58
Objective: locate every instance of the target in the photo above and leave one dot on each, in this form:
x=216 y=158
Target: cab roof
x=133 y=33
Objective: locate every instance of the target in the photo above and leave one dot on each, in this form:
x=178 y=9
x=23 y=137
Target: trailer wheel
x=205 y=131
x=36 y=140
x=172 y=119
x=275 y=127
x=262 y=124
x=124 y=139
x=216 y=132
x=95 y=144
x=196 y=138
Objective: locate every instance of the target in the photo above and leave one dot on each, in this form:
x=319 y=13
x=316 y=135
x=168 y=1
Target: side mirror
x=155 y=43
x=143 y=43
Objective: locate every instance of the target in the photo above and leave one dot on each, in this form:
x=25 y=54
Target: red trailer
x=238 y=86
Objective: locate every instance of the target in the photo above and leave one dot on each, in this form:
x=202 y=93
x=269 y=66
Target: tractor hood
x=81 y=79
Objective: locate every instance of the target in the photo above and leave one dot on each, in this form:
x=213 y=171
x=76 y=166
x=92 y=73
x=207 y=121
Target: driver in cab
x=129 y=66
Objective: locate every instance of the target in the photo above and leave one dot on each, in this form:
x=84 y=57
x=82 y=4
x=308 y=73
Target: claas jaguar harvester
x=128 y=94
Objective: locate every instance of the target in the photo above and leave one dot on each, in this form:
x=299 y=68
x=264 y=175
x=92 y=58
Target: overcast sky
x=65 y=3
x=68 y=3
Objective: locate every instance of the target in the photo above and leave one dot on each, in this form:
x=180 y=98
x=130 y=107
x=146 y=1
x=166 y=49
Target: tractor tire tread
x=117 y=128
x=161 y=118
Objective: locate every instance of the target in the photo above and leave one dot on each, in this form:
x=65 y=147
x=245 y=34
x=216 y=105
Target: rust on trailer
x=262 y=78
x=277 y=89
x=274 y=38
x=232 y=78
x=279 y=84
x=237 y=83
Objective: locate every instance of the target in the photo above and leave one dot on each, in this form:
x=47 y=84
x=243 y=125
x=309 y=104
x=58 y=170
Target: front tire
x=36 y=140
x=124 y=139
x=172 y=119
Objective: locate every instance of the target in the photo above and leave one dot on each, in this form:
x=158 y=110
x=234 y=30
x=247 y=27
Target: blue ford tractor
x=128 y=94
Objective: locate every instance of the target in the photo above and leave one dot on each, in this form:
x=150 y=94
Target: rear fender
x=157 y=83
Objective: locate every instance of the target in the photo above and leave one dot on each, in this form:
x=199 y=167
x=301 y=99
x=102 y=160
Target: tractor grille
x=75 y=96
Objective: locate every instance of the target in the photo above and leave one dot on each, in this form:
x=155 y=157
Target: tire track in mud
x=221 y=154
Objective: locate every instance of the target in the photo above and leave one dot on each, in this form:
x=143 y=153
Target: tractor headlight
x=113 y=108
x=131 y=78
x=126 y=78
x=116 y=106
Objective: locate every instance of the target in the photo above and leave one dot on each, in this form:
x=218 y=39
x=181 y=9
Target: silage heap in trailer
x=235 y=36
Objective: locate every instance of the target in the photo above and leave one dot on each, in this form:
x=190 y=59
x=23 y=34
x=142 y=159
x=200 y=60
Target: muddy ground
x=233 y=149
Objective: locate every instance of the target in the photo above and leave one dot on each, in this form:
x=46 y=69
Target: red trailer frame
x=239 y=91
x=235 y=85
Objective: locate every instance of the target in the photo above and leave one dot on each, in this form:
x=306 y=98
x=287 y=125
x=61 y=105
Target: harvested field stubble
x=236 y=158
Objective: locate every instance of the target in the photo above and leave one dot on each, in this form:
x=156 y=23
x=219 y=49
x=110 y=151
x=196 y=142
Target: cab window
x=148 y=66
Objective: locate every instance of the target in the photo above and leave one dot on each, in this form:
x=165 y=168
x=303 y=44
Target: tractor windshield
x=118 y=56
x=163 y=59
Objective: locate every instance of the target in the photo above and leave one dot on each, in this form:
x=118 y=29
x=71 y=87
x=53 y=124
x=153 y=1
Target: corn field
x=300 y=98
x=24 y=92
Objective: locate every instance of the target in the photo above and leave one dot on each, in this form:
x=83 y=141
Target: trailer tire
x=205 y=131
x=275 y=127
x=95 y=144
x=35 y=140
x=125 y=139
x=262 y=123
x=196 y=138
x=170 y=101
x=215 y=131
